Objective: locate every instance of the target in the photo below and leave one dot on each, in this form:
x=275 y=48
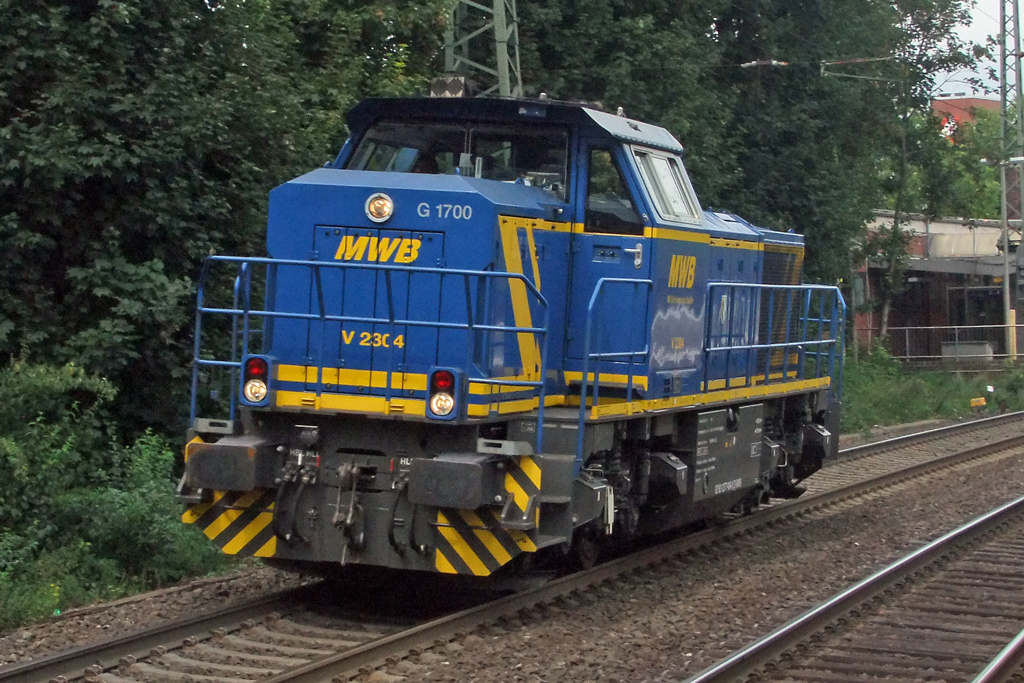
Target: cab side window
x=610 y=206
x=666 y=180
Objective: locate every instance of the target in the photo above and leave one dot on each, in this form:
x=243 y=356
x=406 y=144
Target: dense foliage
x=138 y=137
x=792 y=147
x=81 y=516
x=945 y=175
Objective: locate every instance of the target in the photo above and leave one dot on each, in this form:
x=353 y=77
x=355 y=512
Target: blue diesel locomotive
x=494 y=330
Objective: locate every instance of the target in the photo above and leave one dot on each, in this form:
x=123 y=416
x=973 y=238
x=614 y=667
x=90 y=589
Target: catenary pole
x=482 y=46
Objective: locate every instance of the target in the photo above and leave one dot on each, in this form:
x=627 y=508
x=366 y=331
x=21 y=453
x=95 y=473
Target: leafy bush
x=137 y=523
x=53 y=438
x=878 y=390
x=83 y=517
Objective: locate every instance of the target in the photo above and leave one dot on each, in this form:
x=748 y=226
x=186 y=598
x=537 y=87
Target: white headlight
x=255 y=390
x=379 y=207
x=441 y=404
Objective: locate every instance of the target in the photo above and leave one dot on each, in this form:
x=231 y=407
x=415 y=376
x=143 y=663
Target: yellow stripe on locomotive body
x=518 y=237
x=529 y=352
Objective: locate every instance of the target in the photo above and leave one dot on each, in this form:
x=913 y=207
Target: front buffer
x=302 y=494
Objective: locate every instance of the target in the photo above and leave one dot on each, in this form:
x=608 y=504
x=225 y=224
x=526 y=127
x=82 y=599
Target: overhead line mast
x=1011 y=95
x=481 y=49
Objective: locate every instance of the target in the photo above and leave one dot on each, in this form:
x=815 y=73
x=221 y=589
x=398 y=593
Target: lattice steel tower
x=1011 y=136
x=482 y=45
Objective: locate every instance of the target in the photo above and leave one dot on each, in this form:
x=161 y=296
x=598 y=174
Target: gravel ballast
x=670 y=622
x=660 y=624
x=99 y=622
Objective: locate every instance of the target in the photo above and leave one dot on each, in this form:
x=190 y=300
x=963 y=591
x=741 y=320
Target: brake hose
x=398 y=546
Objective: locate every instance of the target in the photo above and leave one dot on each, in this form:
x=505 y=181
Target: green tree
x=928 y=44
x=932 y=175
x=136 y=137
x=792 y=147
x=811 y=133
x=888 y=246
x=655 y=58
x=946 y=175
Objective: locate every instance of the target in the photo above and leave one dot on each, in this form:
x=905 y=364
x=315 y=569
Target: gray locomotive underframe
x=381 y=483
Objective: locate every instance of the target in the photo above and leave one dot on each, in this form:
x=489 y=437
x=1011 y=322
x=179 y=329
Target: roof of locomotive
x=501 y=110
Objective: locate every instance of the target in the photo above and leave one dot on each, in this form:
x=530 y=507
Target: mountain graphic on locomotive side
x=494 y=330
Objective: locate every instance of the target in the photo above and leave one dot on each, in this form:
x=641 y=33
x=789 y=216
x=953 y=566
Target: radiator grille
x=782 y=265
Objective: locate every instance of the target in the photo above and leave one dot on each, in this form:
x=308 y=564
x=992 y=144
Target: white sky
x=984 y=23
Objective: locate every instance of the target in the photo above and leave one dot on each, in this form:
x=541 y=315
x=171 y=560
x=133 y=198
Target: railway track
x=277 y=639
x=949 y=611
x=952 y=436
x=257 y=639
x=257 y=649
x=877 y=458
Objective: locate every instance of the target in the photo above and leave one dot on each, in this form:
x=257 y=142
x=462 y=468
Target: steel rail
x=106 y=654
x=907 y=439
x=1007 y=663
x=72 y=663
x=762 y=652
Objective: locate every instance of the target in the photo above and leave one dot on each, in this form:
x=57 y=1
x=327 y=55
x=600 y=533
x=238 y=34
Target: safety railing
x=243 y=315
x=620 y=356
x=785 y=331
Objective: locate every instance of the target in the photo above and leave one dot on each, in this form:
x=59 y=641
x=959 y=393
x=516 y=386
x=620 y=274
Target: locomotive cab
x=500 y=328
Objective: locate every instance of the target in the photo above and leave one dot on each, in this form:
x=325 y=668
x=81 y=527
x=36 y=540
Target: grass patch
x=878 y=391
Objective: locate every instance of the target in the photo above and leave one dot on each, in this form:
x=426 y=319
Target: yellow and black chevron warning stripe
x=237 y=521
x=522 y=481
x=468 y=543
x=475 y=542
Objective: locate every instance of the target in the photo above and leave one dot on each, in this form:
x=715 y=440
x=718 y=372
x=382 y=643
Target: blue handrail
x=241 y=307
x=822 y=305
x=598 y=356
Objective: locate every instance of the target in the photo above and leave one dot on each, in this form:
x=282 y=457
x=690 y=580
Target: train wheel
x=585 y=548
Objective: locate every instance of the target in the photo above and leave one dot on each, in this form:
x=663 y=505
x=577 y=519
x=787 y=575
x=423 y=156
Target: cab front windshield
x=536 y=156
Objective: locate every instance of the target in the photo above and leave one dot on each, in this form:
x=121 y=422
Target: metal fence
x=960 y=345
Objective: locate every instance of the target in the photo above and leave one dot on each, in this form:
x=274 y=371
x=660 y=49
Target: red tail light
x=255 y=380
x=441 y=403
x=256 y=368
x=443 y=381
